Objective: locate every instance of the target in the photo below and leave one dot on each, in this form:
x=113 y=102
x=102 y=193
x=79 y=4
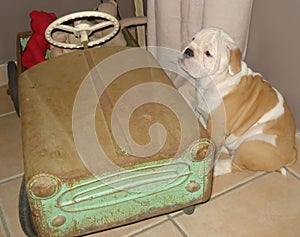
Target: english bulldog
x=243 y=113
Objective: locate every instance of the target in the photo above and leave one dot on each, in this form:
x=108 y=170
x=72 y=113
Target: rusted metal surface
x=123 y=196
x=70 y=195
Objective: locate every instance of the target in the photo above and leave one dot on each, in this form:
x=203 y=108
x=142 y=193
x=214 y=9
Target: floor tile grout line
x=7 y=114
x=3 y=80
x=235 y=186
x=6 y=180
x=3 y=85
x=148 y=228
x=293 y=173
x=228 y=190
x=182 y=232
x=4 y=224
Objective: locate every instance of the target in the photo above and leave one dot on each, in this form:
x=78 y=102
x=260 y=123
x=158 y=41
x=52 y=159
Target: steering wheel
x=82 y=30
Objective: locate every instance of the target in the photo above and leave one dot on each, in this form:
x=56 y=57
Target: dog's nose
x=188 y=53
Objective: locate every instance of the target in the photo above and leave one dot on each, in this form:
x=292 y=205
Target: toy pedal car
x=94 y=154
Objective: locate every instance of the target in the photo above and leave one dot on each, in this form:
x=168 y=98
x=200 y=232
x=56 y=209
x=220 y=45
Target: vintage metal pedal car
x=95 y=153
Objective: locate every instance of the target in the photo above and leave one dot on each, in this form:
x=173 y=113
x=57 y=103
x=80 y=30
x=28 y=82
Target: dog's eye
x=208 y=54
x=193 y=38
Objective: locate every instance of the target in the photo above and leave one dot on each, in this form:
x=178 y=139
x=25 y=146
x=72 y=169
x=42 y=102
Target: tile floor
x=242 y=204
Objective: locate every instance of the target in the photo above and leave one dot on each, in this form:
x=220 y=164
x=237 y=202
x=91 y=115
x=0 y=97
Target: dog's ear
x=235 y=59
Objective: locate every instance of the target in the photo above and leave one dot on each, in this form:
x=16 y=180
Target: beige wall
x=274 y=47
x=14 y=18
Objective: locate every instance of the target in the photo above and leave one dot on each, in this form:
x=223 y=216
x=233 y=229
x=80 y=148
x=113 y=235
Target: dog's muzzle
x=188 y=53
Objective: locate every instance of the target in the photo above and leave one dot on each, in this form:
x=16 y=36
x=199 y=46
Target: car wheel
x=13 y=84
x=25 y=213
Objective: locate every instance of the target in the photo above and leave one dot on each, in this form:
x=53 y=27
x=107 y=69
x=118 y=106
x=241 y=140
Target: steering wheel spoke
x=84 y=29
x=101 y=25
x=67 y=28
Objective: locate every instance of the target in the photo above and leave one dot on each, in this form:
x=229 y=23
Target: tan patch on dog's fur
x=247 y=103
x=235 y=61
x=244 y=106
x=260 y=155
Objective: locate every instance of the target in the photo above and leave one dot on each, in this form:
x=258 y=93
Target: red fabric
x=37 y=45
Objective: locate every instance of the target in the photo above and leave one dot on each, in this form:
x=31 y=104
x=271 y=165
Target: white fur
x=232 y=142
x=274 y=113
x=222 y=167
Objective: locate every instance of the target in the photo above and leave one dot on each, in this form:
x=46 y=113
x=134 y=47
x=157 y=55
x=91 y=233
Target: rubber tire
x=25 y=216
x=189 y=210
x=13 y=84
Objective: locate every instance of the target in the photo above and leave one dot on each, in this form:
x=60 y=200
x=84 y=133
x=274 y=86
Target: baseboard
x=3 y=75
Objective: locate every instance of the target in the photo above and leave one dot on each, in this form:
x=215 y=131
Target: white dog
x=244 y=114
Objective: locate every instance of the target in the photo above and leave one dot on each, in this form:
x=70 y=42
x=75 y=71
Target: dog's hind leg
x=259 y=155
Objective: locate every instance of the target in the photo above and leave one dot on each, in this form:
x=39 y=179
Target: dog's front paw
x=222 y=167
